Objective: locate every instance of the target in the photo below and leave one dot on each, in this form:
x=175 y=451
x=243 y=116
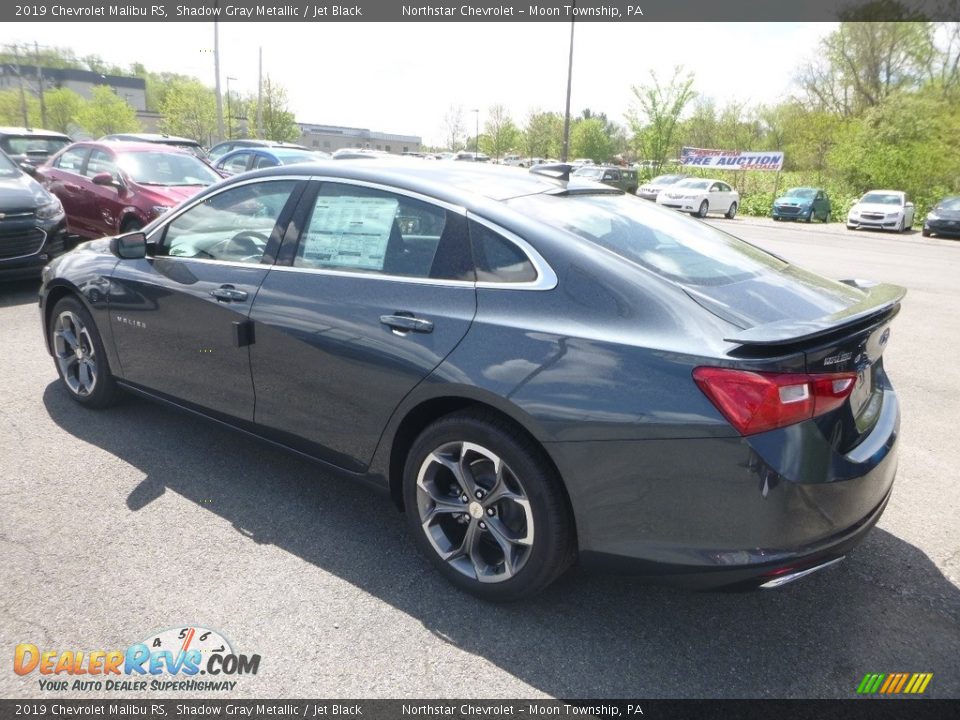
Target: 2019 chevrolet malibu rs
x=538 y=369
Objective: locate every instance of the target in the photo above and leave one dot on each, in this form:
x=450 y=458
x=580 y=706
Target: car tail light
x=754 y=402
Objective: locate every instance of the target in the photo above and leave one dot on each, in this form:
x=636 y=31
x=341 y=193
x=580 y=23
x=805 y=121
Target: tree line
x=187 y=107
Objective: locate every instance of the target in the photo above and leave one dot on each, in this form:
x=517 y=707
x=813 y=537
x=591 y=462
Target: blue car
x=253 y=158
x=537 y=369
x=802 y=203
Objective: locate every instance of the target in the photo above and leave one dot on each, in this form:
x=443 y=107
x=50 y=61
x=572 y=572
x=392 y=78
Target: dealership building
x=330 y=138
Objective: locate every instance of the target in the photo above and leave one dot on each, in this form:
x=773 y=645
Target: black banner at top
x=477 y=10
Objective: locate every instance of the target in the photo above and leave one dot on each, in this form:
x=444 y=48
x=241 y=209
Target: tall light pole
x=216 y=71
x=566 y=115
x=476 y=139
x=229 y=113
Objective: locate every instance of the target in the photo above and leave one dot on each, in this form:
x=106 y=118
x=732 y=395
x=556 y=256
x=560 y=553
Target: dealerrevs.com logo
x=187 y=658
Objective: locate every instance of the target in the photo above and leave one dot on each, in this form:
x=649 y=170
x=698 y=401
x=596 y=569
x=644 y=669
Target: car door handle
x=406 y=323
x=228 y=293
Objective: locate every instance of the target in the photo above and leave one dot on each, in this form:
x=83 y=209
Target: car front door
x=374 y=293
x=179 y=316
x=716 y=197
x=102 y=210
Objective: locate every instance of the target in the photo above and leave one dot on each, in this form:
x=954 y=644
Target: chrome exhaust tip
x=789 y=577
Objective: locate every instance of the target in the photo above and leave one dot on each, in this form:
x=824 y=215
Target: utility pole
x=23 y=96
x=43 y=104
x=216 y=70
x=260 y=96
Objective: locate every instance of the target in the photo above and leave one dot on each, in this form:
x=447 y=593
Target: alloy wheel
x=75 y=353
x=474 y=512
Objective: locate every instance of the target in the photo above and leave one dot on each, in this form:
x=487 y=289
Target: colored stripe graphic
x=894 y=683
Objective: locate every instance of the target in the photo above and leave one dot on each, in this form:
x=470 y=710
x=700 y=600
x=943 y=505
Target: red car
x=113 y=187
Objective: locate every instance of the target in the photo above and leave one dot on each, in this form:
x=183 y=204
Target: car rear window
x=33 y=145
x=662 y=241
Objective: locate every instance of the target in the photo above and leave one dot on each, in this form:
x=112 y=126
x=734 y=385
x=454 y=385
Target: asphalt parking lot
x=123 y=522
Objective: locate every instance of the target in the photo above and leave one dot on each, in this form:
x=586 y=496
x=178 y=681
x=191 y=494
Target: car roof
x=150 y=138
x=456 y=183
x=28 y=132
x=132 y=146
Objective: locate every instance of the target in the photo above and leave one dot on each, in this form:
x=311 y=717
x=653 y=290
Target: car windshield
x=880 y=199
x=803 y=193
x=593 y=172
x=693 y=184
x=7 y=167
x=950 y=203
x=664 y=242
x=666 y=179
x=33 y=145
x=166 y=168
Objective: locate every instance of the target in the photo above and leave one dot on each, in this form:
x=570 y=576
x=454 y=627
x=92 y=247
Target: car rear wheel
x=732 y=212
x=80 y=358
x=704 y=207
x=486 y=507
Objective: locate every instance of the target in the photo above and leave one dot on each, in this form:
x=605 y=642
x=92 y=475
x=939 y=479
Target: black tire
x=900 y=227
x=809 y=216
x=732 y=212
x=472 y=439
x=925 y=232
x=826 y=218
x=75 y=343
x=704 y=209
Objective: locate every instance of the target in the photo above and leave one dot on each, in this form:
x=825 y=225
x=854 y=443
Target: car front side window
x=234 y=225
x=72 y=160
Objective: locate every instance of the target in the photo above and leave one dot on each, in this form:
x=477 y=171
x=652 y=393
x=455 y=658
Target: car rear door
x=180 y=316
x=362 y=305
x=64 y=179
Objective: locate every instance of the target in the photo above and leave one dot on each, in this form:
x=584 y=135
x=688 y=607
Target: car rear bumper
x=715 y=512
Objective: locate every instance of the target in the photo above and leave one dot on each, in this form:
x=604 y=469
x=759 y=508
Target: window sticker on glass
x=350 y=232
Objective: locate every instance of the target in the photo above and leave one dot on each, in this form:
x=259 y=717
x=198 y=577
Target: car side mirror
x=103 y=178
x=28 y=169
x=131 y=246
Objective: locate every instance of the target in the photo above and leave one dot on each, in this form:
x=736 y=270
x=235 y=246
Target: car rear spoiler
x=881 y=299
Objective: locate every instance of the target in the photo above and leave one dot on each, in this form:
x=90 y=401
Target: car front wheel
x=732 y=212
x=486 y=507
x=80 y=358
x=704 y=207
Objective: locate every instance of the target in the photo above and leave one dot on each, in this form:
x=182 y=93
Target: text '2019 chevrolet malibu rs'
x=538 y=369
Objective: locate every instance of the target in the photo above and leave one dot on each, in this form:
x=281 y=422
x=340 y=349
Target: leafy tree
x=107 y=113
x=499 y=132
x=655 y=117
x=189 y=108
x=862 y=63
x=453 y=129
x=63 y=108
x=589 y=139
x=11 y=108
x=543 y=136
x=278 y=122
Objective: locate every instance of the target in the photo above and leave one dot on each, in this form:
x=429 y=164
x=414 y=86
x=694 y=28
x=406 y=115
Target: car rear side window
x=366 y=230
x=660 y=240
x=498 y=259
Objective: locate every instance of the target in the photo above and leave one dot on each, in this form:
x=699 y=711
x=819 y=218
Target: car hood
x=792 y=200
x=21 y=192
x=947 y=214
x=173 y=195
x=876 y=208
